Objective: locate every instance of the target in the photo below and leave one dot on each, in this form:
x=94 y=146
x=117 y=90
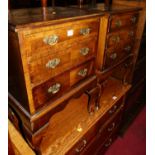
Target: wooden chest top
x=36 y=17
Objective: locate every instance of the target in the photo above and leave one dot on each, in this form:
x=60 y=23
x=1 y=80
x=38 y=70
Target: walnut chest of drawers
x=50 y=61
x=65 y=76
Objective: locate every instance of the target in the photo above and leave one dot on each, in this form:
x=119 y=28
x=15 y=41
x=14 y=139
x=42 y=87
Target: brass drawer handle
x=84 y=51
x=133 y=19
x=83 y=72
x=127 y=48
x=108 y=143
x=118 y=23
x=113 y=109
x=78 y=150
x=53 y=63
x=127 y=65
x=54 y=89
x=131 y=33
x=113 y=56
x=85 y=31
x=116 y=39
x=51 y=40
x=101 y=128
x=111 y=128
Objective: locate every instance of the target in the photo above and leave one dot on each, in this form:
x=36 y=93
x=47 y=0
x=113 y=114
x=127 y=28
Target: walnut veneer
x=69 y=74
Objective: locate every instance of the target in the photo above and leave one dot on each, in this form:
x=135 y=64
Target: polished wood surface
x=19 y=145
x=24 y=18
x=61 y=139
x=73 y=67
x=123 y=20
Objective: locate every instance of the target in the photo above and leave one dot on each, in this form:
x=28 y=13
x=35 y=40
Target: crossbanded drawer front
x=123 y=20
x=81 y=72
x=121 y=38
x=55 y=63
x=50 y=90
x=83 y=50
x=62 y=34
x=113 y=56
x=49 y=66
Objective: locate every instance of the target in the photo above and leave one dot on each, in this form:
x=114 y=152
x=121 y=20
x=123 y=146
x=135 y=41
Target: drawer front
x=124 y=70
x=103 y=133
x=112 y=111
x=81 y=72
x=55 y=87
x=50 y=90
x=121 y=38
x=60 y=35
x=54 y=63
x=82 y=144
x=123 y=20
x=113 y=56
x=106 y=130
x=107 y=143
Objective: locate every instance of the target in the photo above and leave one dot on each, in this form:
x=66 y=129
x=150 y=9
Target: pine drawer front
x=121 y=38
x=60 y=35
x=81 y=72
x=50 y=90
x=123 y=20
x=54 y=63
x=113 y=56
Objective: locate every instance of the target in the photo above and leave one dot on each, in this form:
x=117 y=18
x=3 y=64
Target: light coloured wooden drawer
x=123 y=20
x=121 y=38
x=61 y=35
x=82 y=72
x=51 y=89
x=52 y=64
x=82 y=144
x=57 y=86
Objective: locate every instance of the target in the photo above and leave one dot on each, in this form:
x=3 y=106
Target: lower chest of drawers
x=92 y=141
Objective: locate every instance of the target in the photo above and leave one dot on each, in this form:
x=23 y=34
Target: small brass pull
x=131 y=33
x=83 y=72
x=51 y=40
x=78 y=150
x=113 y=109
x=127 y=48
x=118 y=23
x=127 y=65
x=101 y=129
x=113 y=56
x=116 y=38
x=111 y=128
x=54 y=89
x=133 y=19
x=108 y=143
x=53 y=63
x=85 y=31
x=84 y=51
